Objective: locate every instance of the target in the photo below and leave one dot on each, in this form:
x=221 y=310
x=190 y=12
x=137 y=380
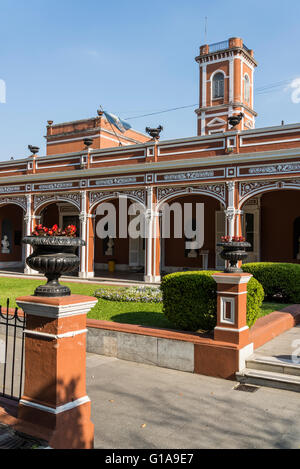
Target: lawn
x=147 y=314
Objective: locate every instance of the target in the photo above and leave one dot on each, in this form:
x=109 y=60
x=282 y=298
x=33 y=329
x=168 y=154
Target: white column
x=83 y=235
x=90 y=274
x=156 y=236
x=231 y=79
x=28 y=229
x=204 y=85
x=230 y=211
x=149 y=235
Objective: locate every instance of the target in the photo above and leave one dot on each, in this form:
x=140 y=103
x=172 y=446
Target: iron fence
x=216 y=46
x=12 y=326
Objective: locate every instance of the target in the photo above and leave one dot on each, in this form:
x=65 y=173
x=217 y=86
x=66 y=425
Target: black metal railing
x=216 y=46
x=12 y=326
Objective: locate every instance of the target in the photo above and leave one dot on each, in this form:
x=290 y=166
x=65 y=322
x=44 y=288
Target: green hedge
x=190 y=300
x=280 y=279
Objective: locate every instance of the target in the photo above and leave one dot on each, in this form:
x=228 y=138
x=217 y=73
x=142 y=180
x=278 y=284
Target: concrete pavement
x=143 y=406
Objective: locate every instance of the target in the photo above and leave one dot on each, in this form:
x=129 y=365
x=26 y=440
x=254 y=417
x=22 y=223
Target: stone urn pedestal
x=53 y=256
x=234 y=251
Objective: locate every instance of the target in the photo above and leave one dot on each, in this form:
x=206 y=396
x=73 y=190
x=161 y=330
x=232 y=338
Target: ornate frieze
x=10 y=189
x=136 y=194
x=21 y=201
x=246 y=187
x=281 y=168
x=73 y=198
x=54 y=186
x=215 y=190
x=252 y=187
x=117 y=181
x=191 y=175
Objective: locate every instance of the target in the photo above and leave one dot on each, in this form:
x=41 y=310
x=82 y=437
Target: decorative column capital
x=83 y=217
x=230 y=185
x=230 y=213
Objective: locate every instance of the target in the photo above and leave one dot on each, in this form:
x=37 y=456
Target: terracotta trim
x=58 y=301
x=274 y=324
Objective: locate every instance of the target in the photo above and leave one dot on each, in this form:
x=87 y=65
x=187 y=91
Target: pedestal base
x=70 y=429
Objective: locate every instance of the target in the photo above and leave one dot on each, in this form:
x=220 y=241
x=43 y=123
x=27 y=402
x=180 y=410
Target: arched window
x=246 y=89
x=218 y=85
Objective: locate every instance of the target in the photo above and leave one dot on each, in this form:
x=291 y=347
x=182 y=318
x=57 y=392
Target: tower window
x=218 y=86
x=246 y=89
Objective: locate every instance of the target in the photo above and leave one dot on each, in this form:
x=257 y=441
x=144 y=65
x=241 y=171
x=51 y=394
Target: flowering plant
x=131 y=294
x=41 y=230
x=235 y=239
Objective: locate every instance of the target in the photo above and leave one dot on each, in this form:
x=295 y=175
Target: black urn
x=235 y=120
x=233 y=252
x=53 y=256
x=154 y=132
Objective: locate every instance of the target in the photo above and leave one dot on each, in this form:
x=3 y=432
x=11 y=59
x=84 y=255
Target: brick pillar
x=54 y=405
x=232 y=308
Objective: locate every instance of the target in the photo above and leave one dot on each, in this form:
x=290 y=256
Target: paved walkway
x=283 y=346
x=142 y=406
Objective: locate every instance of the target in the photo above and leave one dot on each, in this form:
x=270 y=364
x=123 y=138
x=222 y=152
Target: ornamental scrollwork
x=278 y=168
x=21 y=201
x=215 y=190
x=136 y=194
x=73 y=198
x=249 y=187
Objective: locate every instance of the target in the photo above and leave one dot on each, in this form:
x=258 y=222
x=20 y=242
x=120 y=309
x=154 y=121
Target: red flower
x=41 y=230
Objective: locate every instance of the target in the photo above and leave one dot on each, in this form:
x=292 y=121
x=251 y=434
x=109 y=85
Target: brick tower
x=226 y=86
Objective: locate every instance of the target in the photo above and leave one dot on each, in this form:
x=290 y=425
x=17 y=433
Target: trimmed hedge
x=281 y=279
x=190 y=300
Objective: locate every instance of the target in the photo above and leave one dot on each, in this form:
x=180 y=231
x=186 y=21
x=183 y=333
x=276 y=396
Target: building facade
x=247 y=179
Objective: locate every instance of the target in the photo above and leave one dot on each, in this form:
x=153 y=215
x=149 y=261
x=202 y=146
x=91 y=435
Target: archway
x=11 y=234
x=127 y=252
x=175 y=255
x=60 y=213
x=270 y=224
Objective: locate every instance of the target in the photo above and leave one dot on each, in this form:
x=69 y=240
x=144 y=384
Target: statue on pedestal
x=110 y=246
x=5 y=245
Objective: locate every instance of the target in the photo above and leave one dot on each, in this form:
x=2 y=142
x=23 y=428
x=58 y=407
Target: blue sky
x=61 y=59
